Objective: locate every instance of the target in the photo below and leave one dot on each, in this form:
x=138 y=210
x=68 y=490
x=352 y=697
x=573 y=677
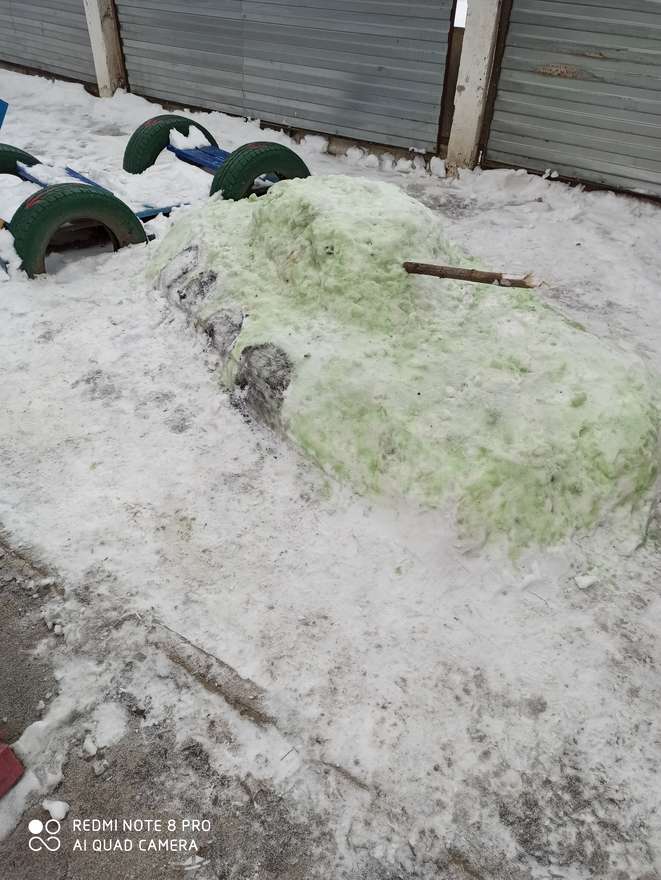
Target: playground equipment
x=73 y=214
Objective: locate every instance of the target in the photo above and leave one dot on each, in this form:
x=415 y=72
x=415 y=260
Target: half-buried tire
x=236 y=176
x=152 y=137
x=9 y=156
x=41 y=215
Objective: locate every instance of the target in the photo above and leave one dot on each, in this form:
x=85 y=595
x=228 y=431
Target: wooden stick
x=470 y=275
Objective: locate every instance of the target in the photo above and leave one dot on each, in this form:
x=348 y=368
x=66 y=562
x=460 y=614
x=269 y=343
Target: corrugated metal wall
x=48 y=35
x=580 y=91
x=367 y=69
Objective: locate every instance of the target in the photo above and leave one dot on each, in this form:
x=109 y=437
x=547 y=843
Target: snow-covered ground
x=448 y=713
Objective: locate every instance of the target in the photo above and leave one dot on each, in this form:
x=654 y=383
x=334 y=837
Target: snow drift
x=437 y=391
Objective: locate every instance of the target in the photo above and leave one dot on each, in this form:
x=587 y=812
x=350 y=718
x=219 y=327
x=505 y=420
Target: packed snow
x=111 y=723
x=194 y=138
x=57 y=809
x=444 y=709
x=419 y=389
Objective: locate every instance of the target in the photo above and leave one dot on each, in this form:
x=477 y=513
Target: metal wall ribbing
x=579 y=91
x=49 y=35
x=366 y=69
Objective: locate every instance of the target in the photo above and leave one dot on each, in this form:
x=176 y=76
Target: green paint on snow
x=433 y=390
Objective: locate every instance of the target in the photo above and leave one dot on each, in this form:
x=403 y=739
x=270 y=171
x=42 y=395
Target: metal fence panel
x=579 y=91
x=49 y=35
x=366 y=69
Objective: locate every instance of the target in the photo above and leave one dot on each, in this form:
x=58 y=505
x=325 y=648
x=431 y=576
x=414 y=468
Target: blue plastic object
x=209 y=158
x=147 y=213
x=26 y=175
x=83 y=179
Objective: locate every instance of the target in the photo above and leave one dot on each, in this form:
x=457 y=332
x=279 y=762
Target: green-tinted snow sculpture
x=439 y=392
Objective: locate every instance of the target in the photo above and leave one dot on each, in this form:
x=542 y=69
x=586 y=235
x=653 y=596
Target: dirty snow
x=444 y=710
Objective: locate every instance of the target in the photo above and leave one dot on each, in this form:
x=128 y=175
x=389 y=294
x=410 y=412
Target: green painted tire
x=40 y=216
x=237 y=174
x=152 y=137
x=9 y=156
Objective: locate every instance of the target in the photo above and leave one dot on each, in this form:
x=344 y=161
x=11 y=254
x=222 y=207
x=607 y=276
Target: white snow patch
x=437 y=166
x=57 y=809
x=48 y=174
x=314 y=143
x=89 y=746
x=194 y=138
x=354 y=155
x=404 y=166
x=585 y=581
x=111 y=724
x=9 y=262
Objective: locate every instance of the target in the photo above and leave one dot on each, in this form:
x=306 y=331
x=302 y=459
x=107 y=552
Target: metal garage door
x=48 y=35
x=368 y=69
x=579 y=91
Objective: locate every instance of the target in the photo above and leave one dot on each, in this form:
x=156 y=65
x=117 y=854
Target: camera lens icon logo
x=51 y=829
